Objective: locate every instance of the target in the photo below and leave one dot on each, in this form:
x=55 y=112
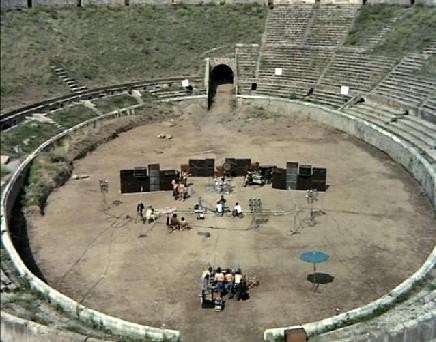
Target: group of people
x=220 y=208
x=180 y=186
x=175 y=224
x=225 y=282
x=145 y=215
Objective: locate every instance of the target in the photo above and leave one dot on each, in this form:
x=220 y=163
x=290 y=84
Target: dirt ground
x=373 y=222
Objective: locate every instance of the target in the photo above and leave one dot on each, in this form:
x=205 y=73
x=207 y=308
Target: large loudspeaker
x=166 y=176
x=291 y=175
x=279 y=178
x=140 y=171
x=319 y=179
x=305 y=170
x=154 y=171
x=129 y=183
x=238 y=167
x=202 y=167
x=304 y=183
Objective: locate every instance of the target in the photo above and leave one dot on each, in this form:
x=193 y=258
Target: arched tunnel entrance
x=221 y=81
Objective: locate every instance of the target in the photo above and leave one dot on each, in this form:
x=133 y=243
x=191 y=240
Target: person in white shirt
x=237 y=210
x=219 y=209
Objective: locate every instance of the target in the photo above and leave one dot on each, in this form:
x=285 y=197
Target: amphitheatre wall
x=84 y=3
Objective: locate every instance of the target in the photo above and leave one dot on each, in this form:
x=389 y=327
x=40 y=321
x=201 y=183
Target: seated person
x=174 y=222
x=237 y=210
x=149 y=214
x=229 y=277
x=219 y=278
x=219 y=209
x=184 y=224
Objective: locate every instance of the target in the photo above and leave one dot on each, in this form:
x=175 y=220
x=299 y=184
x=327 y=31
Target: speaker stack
x=134 y=181
x=154 y=171
x=278 y=178
x=237 y=167
x=166 y=176
x=202 y=167
x=319 y=179
x=304 y=179
x=291 y=175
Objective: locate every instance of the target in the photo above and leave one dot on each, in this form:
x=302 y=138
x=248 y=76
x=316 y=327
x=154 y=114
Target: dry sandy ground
x=376 y=227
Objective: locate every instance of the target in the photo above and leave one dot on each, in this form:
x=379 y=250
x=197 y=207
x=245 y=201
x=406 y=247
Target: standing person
x=181 y=191
x=140 y=212
x=238 y=284
x=175 y=188
x=219 y=209
x=219 y=278
x=230 y=281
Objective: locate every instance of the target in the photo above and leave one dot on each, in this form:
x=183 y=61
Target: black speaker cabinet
x=140 y=172
x=304 y=183
x=319 y=179
x=279 y=178
x=202 y=167
x=130 y=184
x=305 y=170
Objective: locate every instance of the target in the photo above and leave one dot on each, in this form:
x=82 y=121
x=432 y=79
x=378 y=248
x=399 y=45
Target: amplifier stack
x=202 y=167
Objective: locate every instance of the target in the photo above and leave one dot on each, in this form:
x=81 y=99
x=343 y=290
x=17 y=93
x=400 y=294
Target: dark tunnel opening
x=221 y=74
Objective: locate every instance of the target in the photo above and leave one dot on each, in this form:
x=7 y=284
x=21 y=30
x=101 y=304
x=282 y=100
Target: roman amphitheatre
x=93 y=88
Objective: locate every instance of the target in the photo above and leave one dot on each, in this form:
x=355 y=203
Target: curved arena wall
x=9 y=196
x=399 y=150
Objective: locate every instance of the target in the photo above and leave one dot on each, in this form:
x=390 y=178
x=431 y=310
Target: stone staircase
x=405 y=84
x=356 y=69
x=287 y=24
x=71 y=83
x=379 y=37
x=330 y=24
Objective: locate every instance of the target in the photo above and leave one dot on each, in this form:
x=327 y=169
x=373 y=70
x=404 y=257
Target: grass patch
x=148 y=97
x=3 y=171
x=112 y=103
x=370 y=20
x=27 y=136
x=47 y=171
x=413 y=33
x=72 y=116
x=428 y=70
x=132 y=43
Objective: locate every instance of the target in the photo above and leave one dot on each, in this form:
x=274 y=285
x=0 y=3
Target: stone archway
x=222 y=77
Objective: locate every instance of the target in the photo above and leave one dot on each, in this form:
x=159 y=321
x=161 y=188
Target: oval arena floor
x=374 y=223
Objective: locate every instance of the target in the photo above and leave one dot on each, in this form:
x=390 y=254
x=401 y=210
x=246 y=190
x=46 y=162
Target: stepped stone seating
x=289 y=90
x=287 y=24
x=405 y=84
x=357 y=70
x=330 y=24
x=246 y=57
x=328 y=96
x=298 y=63
x=418 y=132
